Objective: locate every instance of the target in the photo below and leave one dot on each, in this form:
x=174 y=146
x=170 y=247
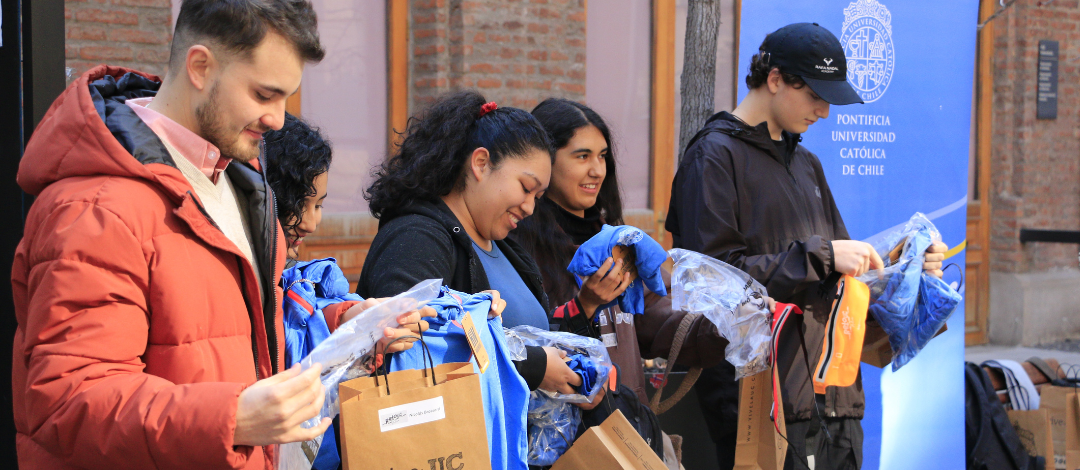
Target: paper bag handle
x=426 y=357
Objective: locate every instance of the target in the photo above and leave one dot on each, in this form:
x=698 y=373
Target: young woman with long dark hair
x=583 y=196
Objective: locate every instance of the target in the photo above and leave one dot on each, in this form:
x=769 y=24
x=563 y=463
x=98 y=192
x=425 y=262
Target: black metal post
x=32 y=61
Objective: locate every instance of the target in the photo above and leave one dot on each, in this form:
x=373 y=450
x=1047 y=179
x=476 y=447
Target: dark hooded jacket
x=740 y=199
x=426 y=241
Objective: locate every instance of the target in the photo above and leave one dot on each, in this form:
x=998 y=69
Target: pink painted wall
x=618 y=85
x=345 y=95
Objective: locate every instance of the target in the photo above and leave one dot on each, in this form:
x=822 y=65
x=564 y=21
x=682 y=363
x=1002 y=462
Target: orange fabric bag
x=841 y=351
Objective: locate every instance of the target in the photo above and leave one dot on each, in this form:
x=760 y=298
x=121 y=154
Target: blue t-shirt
x=522 y=308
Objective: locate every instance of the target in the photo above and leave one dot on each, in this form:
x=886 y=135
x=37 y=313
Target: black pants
x=839 y=449
x=718 y=396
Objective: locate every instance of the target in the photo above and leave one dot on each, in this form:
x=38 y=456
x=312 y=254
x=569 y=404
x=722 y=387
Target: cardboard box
x=613 y=445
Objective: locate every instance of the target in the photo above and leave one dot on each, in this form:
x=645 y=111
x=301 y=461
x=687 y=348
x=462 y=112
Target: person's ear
x=199 y=65
x=480 y=163
x=774 y=81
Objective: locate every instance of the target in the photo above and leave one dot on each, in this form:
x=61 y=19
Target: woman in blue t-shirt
x=466 y=173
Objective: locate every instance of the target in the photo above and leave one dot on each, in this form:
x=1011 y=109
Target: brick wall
x=1035 y=163
x=515 y=52
x=131 y=33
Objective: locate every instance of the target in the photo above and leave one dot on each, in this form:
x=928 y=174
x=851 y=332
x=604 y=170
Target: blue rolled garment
x=586 y=368
x=504 y=392
x=910 y=305
x=649 y=256
x=310 y=287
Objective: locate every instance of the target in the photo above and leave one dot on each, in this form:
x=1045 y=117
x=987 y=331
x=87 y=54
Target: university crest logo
x=868 y=46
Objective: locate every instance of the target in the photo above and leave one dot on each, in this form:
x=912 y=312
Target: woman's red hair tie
x=487 y=108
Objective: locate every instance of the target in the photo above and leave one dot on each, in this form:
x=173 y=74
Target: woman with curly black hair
x=317 y=297
x=466 y=174
x=297 y=168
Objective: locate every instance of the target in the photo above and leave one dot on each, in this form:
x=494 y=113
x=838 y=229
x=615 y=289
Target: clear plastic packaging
x=553 y=418
x=729 y=298
x=909 y=305
x=520 y=336
x=553 y=426
x=346 y=355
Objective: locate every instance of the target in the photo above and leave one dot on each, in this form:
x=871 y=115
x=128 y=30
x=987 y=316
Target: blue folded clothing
x=586 y=368
x=310 y=287
x=504 y=392
x=910 y=305
x=648 y=257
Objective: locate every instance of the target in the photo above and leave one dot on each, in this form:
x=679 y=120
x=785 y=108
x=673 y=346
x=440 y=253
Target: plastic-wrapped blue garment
x=553 y=417
x=937 y=301
x=553 y=426
x=910 y=306
x=518 y=337
x=731 y=300
x=649 y=256
x=504 y=392
x=310 y=287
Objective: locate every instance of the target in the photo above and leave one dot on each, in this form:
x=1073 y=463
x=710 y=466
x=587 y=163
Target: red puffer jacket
x=139 y=321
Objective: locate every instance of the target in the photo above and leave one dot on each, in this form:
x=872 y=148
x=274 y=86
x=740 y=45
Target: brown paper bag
x=613 y=445
x=758 y=446
x=1072 y=432
x=1033 y=428
x=876 y=348
x=404 y=421
x=1054 y=400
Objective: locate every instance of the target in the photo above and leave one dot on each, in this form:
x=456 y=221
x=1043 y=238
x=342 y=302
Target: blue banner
x=905 y=150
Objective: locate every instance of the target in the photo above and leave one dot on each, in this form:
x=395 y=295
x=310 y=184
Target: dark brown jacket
x=737 y=198
x=630 y=338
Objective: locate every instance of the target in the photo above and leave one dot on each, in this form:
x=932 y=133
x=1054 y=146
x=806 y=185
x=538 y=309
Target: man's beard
x=214 y=131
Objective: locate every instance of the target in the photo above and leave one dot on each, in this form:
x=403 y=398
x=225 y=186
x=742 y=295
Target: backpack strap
x=657 y=406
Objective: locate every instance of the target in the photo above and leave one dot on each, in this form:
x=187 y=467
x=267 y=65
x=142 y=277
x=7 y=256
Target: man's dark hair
x=238 y=26
x=760 y=69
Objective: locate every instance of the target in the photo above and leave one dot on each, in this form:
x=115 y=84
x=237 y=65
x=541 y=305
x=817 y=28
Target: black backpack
x=992 y=442
x=640 y=416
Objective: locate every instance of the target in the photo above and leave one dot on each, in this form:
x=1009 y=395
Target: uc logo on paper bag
x=452 y=462
x=868 y=46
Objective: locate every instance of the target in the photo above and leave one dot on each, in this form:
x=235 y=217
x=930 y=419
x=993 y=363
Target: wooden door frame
x=292 y=103
x=397 y=70
x=662 y=109
x=978 y=303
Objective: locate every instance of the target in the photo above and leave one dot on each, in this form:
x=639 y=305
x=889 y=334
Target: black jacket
x=426 y=241
x=738 y=198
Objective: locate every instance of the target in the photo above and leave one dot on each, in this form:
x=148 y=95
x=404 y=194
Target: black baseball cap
x=812 y=53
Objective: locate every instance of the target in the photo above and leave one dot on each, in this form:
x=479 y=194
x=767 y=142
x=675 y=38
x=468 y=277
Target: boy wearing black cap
x=748 y=194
